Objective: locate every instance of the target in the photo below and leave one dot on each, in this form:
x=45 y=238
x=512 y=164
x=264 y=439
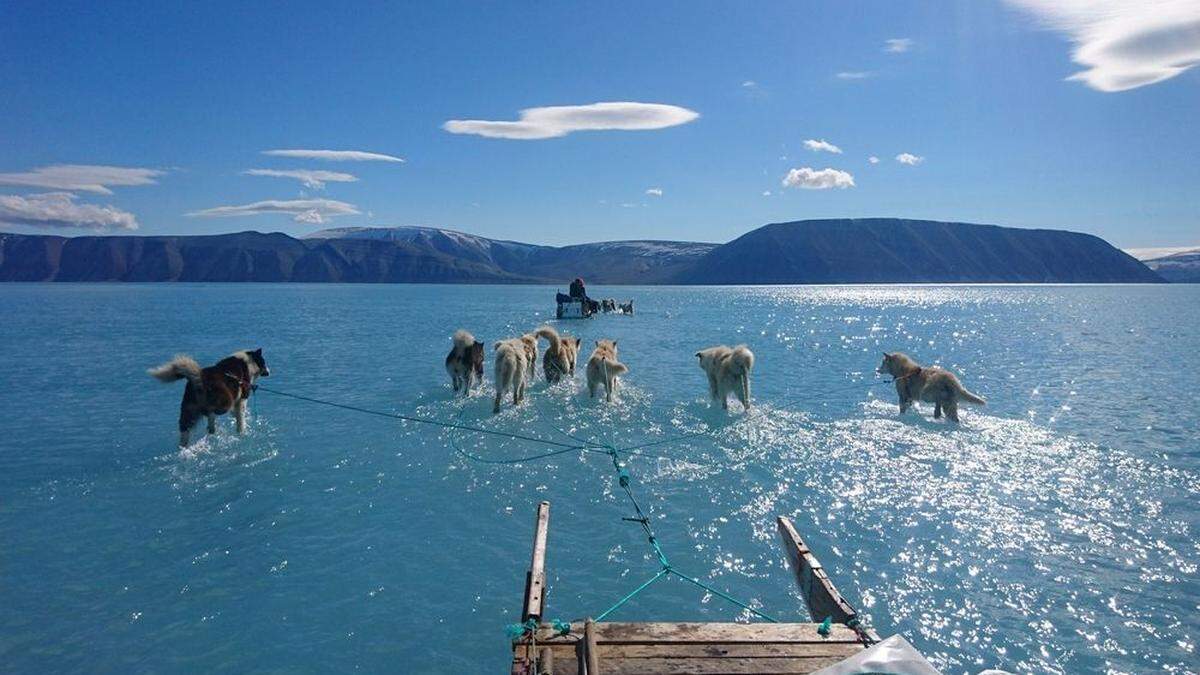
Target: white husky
x=603 y=369
x=728 y=371
x=512 y=368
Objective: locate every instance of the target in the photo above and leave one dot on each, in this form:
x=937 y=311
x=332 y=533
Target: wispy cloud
x=854 y=74
x=555 y=121
x=909 y=159
x=82 y=177
x=59 y=209
x=873 y=159
x=822 y=146
x=654 y=192
x=335 y=155
x=1124 y=44
x=301 y=210
x=897 y=45
x=808 y=178
x=749 y=84
x=313 y=180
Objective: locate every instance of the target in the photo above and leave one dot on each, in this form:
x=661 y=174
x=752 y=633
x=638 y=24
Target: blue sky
x=977 y=92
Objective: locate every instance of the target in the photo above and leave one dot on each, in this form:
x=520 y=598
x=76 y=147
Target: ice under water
x=1054 y=531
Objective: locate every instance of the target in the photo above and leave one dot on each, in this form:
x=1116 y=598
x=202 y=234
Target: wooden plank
x=535 y=580
x=545 y=661
x=784 y=666
x=607 y=633
x=840 y=650
x=591 y=650
x=821 y=596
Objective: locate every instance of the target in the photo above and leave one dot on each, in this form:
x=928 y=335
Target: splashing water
x=1053 y=531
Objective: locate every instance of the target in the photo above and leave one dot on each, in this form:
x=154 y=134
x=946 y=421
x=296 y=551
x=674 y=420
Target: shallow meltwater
x=1054 y=530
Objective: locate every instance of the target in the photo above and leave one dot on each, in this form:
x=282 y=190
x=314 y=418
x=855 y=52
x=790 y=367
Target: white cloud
x=335 y=155
x=313 y=180
x=854 y=74
x=59 y=209
x=766 y=193
x=1124 y=44
x=813 y=179
x=81 y=177
x=822 y=146
x=302 y=210
x=555 y=121
x=897 y=45
x=873 y=159
x=654 y=192
x=628 y=205
x=909 y=159
x=749 y=84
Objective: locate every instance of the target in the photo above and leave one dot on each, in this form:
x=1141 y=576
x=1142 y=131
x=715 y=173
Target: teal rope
x=661 y=573
x=714 y=591
x=422 y=420
x=623 y=479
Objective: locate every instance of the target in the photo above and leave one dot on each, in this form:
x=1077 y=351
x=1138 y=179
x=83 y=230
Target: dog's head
x=475 y=354
x=256 y=357
x=895 y=364
x=709 y=356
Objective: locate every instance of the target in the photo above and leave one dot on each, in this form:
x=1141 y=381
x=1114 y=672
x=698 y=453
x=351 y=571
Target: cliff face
x=820 y=251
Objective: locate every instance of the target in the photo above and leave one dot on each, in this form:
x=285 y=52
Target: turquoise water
x=1055 y=531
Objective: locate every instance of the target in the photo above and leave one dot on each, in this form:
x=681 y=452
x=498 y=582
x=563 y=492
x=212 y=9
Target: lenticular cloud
x=555 y=121
x=1125 y=44
x=59 y=209
x=301 y=210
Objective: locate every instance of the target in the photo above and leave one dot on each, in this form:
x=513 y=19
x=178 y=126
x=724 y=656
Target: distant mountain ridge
x=1181 y=266
x=880 y=250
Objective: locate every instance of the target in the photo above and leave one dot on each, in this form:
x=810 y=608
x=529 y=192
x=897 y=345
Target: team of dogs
x=609 y=306
x=226 y=385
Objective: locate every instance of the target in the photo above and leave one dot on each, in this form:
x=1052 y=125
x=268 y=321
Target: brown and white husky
x=929 y=384
x=214 y=390
x=603 y=369
x=728 y=370
x=512 y=368
x=558 y=360
x=464 y=363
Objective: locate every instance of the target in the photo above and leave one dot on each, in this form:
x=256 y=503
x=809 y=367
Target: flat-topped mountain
x=879 y=250
x=890 y=250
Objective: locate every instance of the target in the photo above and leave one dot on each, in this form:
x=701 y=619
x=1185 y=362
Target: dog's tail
x=614 y=368
x=463 y=340
x=969 y=397
x=178 y=368
x=742 y=359
x=551 y=336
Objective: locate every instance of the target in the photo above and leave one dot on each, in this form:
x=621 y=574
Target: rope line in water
x=424 y=420
x=666 y=569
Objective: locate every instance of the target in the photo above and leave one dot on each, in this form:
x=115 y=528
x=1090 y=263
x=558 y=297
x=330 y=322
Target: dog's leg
x=712 y=387
x=499 y=395
x=937 y=410
x=952 y=410
x=212 y=423
x=185 y=438
x=744 y=393
x=904 y=403
x=239 y=413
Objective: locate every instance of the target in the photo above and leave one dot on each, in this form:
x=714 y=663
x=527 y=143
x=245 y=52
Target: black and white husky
x=214 y=390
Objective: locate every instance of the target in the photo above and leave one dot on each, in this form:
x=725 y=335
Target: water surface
x=1054 y=531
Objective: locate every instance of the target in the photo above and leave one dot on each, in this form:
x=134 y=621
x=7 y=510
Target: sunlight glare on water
x=1053 y=531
